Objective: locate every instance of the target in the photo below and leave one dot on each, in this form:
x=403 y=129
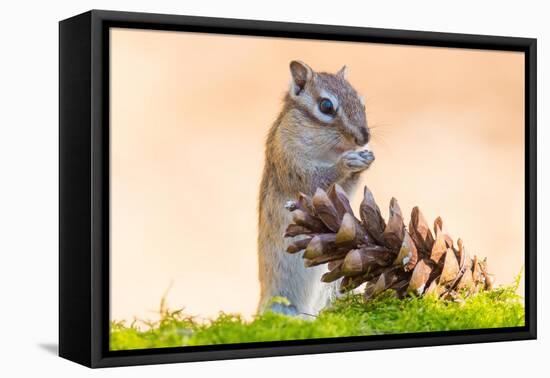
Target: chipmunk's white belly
x=303 y=286
x=291 y=279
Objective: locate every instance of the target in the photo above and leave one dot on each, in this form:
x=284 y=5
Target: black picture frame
x=84 y=187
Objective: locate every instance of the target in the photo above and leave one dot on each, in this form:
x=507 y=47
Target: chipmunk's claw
x=367 y=155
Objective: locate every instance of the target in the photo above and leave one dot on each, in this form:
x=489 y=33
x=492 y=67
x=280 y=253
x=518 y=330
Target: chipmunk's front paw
x=357 y=161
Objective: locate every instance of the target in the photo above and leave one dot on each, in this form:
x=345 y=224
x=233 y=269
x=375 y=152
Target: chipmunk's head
x=328 y=108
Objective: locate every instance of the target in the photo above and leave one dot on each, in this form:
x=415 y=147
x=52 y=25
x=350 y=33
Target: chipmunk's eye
x=326 y=106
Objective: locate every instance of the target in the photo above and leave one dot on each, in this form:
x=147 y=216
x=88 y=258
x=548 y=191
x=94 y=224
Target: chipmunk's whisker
x=379 y=140
x=380 y=130
x=378 y=125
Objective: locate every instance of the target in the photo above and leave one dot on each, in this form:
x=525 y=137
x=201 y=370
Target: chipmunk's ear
x=301 y=74
x=343 y=73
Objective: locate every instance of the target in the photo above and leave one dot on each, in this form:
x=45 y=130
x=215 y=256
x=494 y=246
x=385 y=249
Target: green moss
x=348 y=316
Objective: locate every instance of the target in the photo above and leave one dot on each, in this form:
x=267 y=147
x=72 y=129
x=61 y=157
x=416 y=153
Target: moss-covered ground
x=348 y=316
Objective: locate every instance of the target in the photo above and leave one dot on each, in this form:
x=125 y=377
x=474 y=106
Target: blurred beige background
x=189 y=115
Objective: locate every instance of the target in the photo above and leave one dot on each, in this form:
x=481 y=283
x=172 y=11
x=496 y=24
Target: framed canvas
x=235 y=188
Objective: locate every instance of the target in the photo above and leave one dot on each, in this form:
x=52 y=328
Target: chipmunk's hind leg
x=284 y=309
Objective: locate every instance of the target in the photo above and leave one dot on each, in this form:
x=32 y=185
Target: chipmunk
x=313 y=143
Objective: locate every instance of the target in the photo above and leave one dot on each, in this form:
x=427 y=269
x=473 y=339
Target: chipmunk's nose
x=363 y=138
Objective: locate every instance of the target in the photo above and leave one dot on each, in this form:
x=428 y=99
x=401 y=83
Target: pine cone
x=411 y=261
